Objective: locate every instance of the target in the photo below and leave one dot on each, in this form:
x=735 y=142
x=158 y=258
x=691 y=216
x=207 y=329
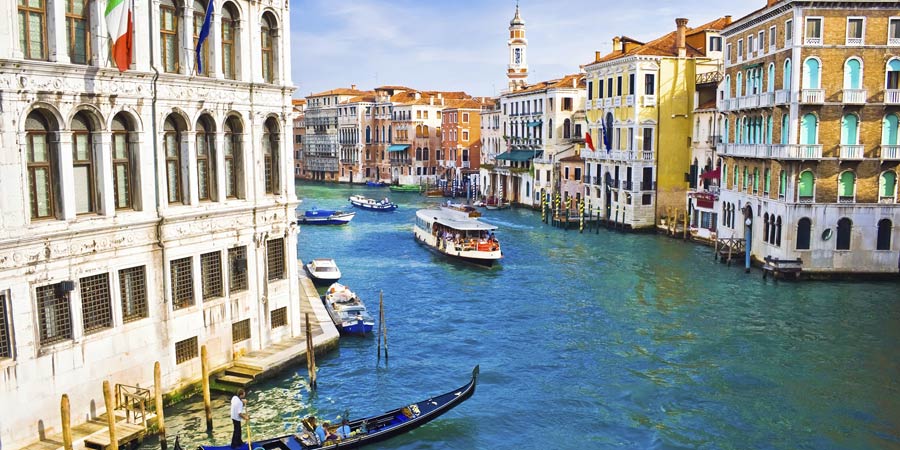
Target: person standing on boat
x=237 y=415
x=344 y=431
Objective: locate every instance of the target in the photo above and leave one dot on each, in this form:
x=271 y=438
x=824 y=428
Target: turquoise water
x=601 y=341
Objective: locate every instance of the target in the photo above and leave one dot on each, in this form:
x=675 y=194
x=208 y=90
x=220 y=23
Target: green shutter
x=846 y=184
x=806 y=184
x=888 y=184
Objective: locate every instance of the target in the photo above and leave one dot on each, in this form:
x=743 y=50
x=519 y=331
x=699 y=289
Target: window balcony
x=782 y=97
x=852 y=151
x=892 y=96
x=766 y=99
x=617 y=101
x=893 y=41
x=748 y=101
x=629 y=100
x=588 y=104
x=855 y=96
x=813 y=96
x=890 y=152
x=773 y=151
x=812 y=41
x=854 y=41
x=645 y=155
x=649 y=100
x=846 y=199
x=607 y=102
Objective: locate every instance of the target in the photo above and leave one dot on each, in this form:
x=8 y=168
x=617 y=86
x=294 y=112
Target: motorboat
x=347 y=311
x=376 y=184
x=456 y=234
x=317 y=216
x=323 y=271
x=371 y=204
x=405 y=188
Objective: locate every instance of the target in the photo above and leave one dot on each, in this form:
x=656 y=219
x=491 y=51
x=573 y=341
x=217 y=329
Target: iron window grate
x=211 y=274
x=185 y=350
x=237 y=269
x=240 y=331
x=5 y=341
x=279 y=317
x=54 y=315
x=96 y=311
x=182 y=283
x=275 y=252
x=133 y=289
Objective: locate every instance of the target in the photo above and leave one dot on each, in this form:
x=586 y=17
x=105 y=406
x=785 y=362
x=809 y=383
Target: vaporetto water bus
x=458 y=235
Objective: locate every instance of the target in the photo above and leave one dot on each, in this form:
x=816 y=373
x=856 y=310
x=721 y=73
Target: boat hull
x=358 y=327
x=372 y=205
x=481 y=258
x=336 y=219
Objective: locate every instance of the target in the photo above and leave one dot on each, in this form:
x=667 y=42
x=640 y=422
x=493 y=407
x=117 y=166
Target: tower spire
x=517 y=69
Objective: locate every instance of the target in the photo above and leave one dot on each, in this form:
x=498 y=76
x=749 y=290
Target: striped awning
x=534 y=124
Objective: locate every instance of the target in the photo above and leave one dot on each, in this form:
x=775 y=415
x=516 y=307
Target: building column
x=156 y=52
x=186 y=52
x=66 y=198
x=215 y=43
x=57 y=50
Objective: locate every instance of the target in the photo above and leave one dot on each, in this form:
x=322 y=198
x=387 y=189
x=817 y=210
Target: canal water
x=602 y=340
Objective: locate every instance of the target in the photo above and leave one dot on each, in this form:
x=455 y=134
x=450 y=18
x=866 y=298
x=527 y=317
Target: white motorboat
x=458 y=235
x=323 y=271
x=347 y=311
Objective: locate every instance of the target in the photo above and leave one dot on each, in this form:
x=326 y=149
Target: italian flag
x=120 y=26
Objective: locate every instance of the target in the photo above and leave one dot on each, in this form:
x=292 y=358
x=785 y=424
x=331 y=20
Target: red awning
x=711 y=174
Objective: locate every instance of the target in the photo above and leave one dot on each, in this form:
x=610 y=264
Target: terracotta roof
x=339 y=91
x=664 y=45
x=574 y=158
x=367 y=97
x=468 y=103
x=564 y=82
x=298 y=101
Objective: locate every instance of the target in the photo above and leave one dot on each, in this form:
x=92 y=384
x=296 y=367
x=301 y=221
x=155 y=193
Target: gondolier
x=237 y=415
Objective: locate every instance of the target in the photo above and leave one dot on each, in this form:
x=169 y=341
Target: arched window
x=726 y=88
x=124 y=162
x=206 y=146
x=853 y=74
x=425 y=153
x=172 y=130
x=782 y=184
x=369 y=134
x=786 y=75
x=846 y=186
x=550 y=129
x=418 y=153
x=201 y=66
x=887 y=186
x=738 y=85
x=169 y=15
x=724 y=173
x=33 y=29
x=234 y=166
x=883 y=241
x=41 y=164
x=806 y=186
x=383 y=133
x=844 y=228
x=850 y=130
x=726 y=138
x=889 y=132
x=785 y=129
x=804 y=230
x=768 y=182
x=567 y=132
x=746 y=185
x=770 y=82
x=425 y=131
x=809 y=130
x=390 y=135
x=756 y=181
x=770 y=128
x=230 y=36
x=766 y=227
x=83 y=167
x=778 y=231
x=812 y=79
x=268 y=46
x=736 y=178
x=271 y=148
x=892 y=74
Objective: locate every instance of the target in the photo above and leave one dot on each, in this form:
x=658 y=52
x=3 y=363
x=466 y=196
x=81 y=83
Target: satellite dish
x=826 y=235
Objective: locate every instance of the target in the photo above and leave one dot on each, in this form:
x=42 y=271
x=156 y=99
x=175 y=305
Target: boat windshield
x=326 y=269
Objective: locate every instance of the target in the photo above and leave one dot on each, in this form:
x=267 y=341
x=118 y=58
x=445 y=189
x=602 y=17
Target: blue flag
x=204 y=33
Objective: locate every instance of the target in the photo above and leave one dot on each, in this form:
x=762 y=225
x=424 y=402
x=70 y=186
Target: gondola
x=370 y=429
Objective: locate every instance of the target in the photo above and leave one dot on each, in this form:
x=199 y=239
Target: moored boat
x=371 y=204
x=405 y=188
x=369 y=430
x=325 y=217
x=437 y=192
x=347 y=311
x=455 y=234
x=323 y=271
x=376 y=184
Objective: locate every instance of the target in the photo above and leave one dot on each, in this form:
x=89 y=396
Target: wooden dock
x=94 y=434
x=727 y=249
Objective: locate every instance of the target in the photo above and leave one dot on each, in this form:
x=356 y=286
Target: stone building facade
x=809 y=154
x=145 y=213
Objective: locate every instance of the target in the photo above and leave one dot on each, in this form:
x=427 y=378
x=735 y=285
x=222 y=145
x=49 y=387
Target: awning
x=712 y=174
x=520 y=155
x=398 y=148
x=534 y=124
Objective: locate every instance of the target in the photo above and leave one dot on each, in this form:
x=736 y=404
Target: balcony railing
x=813 y=41
x=627 y=185
x=893 y=41
x=766 y=99
x=649 y=100
x=892 y=96
x=629 y=100
x=617 y=101
x=854 y=41
x=814 y=96
x=852 y=151
x=607 y=102
x=774 y=151
x=846 y=199
x=855 y=96
x=648 y=185
x=749 y=101
x=465 y=164
x=782 y=97
x=588 y=104
x=890 y=152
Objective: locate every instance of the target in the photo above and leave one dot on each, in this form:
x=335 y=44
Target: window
x=240 y=331
x=172 y=142
x=600 y=91
x=728 y=48
x=631 y=84
x=78 y=31
x=201 y=67
x=5 y=338
x=850 y=130
x=715 y=44
x=83 y=165
x=740 y=49
x=894 y=31
x=648 y=139
x=618 y=86
x=844 y=228
x=856 y=30
x=237 y=269
x=206 y=142
x=465 y=117
x=54 y=315
x=772 y=37
x=767 y=182
x=883 y=241
x=590 y=90
x=279 y=317
x=893 y=74
x=788 y=33
x=122 y=157
x=168 y=34
x=182 y=282
x=275 y=259
x=211 y=274
x=751 y=45
x=96 y=310
x=32 y=29
x=609 y=90
x=813 y=31
x=887 y=184
x=770 y=78
x=40 y=166
x=852 y=74
x=567 y=101
x=228 y=41
x=233 y=158
x=133 y=290
x=804 y=230
x=186 y=350
x=649 y=84
x=782 y=184
x=806 y=186
x=270 y=151
x=465 y=136
x=268 y=33
x=761 y=42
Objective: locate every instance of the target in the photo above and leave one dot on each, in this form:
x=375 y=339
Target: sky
x=460 y=45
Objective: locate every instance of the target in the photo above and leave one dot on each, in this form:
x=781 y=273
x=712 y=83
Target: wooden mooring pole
x=310 y=355
x=383 y=324
x=110 y=416
x=160 y=420
x=207 y=403
x=66 y=416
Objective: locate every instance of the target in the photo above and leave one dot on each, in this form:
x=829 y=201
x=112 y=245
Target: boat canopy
x=398 y=148
x=456 y=220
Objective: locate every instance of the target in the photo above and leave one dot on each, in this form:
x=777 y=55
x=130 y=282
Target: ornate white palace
x=144 y=213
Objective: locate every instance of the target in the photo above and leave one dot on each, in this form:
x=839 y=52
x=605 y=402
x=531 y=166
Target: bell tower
x=517 y=69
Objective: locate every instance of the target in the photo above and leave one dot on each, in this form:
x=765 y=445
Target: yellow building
x=639 y=111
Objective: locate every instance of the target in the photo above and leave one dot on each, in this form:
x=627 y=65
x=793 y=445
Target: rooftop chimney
x=728 y=19
x=596 y=56
x=681 y=24
x=353 y=87
x=440 y=95
x=617 y=44
x=431 y=100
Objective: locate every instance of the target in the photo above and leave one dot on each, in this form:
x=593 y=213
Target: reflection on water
x=589 y=340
